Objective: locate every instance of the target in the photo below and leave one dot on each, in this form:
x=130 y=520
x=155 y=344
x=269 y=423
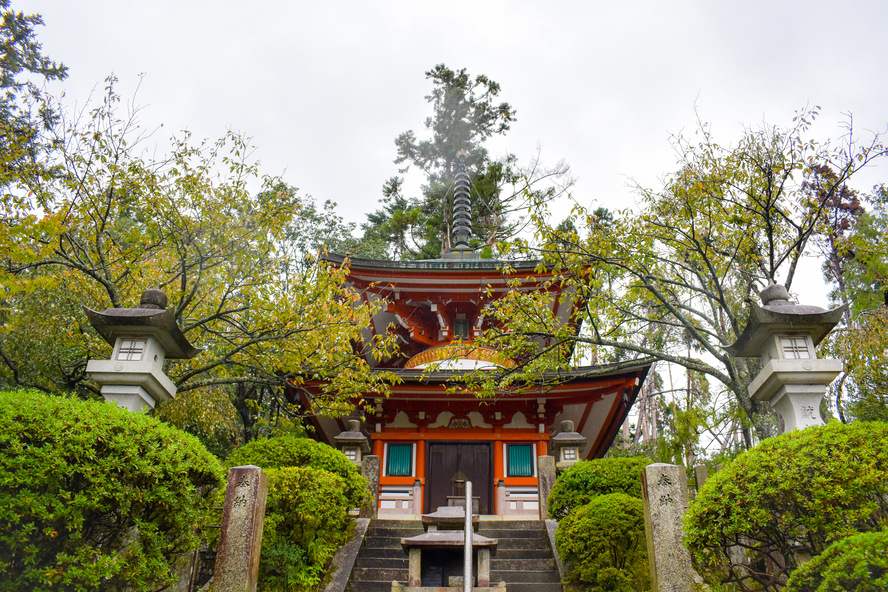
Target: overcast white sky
x=324 y=87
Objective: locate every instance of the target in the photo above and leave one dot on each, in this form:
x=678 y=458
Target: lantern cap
x=778 y=314
x=150 y=319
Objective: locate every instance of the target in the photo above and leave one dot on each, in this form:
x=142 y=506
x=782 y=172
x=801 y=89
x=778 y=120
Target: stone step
x=394 y=525
x=526 y=587
x=518 y=544
x=502 y=554
x=370 y=586
x=365 y=561
x=497 y=533
x=525 y=577
x=376 y=541
x=383 y=542
x=384 y=562
x=513 y=528
x=394 y=532
x=384 y=552
x=373 y=574
x=529 y=564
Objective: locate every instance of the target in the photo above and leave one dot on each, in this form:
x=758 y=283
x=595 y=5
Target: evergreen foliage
x=464 y=115
x=25 y=113
x=582 y=482
x=95 y=497
x=604 y=543
x=793 y=495
x=856 y=564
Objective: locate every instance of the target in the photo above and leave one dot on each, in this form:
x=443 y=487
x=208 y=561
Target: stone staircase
x=381 y=558
x=523 y=558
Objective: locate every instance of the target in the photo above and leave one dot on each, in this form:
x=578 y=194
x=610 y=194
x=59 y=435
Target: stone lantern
x=142 y=338
x=353 y=443
x=783 y=334
x=567 y=445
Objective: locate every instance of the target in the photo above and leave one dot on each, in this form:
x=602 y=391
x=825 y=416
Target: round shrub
x=791 y=496
x=578 y=484
x=605 y=545
x=306 y=519
x=855 y=564
x=93 y=497
x=290 y=451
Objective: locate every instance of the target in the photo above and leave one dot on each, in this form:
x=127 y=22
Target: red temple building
x=429 y=439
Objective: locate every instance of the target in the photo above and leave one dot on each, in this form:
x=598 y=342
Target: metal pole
x=467 y=566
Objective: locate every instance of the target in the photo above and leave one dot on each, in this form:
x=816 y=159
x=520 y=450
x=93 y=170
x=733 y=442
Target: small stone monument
x=664 y=491
x=546 y=475
x=240 y=540
x=567 y=445
x=370 y=472
x=784 y=335
x=701 y=475
x=142 y=338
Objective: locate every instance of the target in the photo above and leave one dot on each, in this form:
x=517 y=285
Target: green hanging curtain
x=400 y=462
x=520 y=460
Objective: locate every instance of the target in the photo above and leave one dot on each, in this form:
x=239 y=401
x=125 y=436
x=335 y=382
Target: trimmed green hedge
x=578 y=484
x=604 y=544
x=855 y=564
x=311 y=487
x=306 y=520
x=291 y=451
x=94 y=497
x=791 y=496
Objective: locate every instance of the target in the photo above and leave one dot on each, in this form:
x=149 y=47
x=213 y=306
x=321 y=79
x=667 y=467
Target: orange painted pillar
x=378 y=449
x=421 y=470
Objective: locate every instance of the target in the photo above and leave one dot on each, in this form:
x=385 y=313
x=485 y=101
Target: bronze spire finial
x=462 y=208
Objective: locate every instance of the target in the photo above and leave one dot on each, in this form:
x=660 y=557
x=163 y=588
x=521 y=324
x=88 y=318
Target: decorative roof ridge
x=360 y=262
x=596 y=371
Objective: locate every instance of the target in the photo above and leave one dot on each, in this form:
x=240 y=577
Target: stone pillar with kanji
x=240 y=541
x=664 y=491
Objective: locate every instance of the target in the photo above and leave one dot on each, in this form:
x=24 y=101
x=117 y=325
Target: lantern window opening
x=131 y=349
x=569 y=453
x=795 y=347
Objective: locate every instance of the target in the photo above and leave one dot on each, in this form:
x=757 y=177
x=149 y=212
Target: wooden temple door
x=450 y=464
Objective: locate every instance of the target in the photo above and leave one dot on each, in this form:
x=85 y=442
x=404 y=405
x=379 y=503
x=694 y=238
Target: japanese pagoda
x=431 y=440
